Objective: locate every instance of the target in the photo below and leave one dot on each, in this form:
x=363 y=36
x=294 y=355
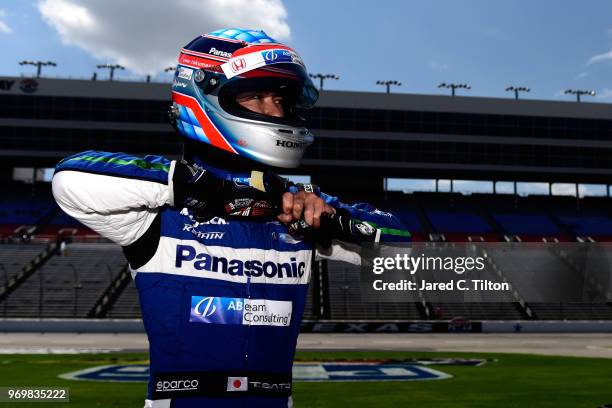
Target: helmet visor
x=288 y=84
x=278 y=60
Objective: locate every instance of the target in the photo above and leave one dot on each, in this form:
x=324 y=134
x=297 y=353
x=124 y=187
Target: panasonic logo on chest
x=220 y=53
x=186 y=254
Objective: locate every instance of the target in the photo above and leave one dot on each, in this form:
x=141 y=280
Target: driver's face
x=266 y=103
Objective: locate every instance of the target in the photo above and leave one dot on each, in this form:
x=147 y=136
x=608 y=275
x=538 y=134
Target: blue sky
x=544 y=44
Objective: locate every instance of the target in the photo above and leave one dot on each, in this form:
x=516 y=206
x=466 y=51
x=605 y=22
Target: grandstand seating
x=33 y=205
x=13 y=257
x=472 y=305
x=308 y=307
x=127 y=305
x=87 y=269
x=477 y=311
x=527 y=224
x=409 y=219
x=571 y=311
x=61 y=221
x=14 y=214
x=447 y=222
x=588 y=225
x=533 y=264
x=68 y=285
x=346 y=301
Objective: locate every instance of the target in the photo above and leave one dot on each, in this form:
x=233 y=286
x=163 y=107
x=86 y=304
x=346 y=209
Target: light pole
x=322 y=78
x=579 y=92
x=38 y=65
x=517 y=89
x=111 y=67
x=388 y=84
x=453 y=87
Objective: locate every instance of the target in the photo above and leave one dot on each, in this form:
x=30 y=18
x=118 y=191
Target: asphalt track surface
x=574 y=344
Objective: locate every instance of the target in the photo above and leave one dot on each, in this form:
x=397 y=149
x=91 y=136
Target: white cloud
x=4 y=28
x=582 y=75
x=145 y=37
x=600 y=57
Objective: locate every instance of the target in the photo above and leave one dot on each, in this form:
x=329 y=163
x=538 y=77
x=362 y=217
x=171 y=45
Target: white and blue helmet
x=214 y=68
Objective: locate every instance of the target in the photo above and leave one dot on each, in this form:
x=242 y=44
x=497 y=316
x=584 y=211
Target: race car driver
x=220 y=247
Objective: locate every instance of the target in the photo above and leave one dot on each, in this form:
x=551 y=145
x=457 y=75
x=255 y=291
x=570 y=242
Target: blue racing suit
x=221 y=300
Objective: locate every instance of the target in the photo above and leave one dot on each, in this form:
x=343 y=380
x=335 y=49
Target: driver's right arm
x=115 y=194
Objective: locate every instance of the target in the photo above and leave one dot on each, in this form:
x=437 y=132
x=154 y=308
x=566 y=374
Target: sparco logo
x=220 y=53
x=177 y=385
x=238 y=65
x=289 y=144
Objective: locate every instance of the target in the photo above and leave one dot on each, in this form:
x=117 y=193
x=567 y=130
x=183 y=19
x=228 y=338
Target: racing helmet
x=215 y=68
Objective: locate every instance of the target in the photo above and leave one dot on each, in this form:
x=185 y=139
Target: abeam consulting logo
x=240 y=311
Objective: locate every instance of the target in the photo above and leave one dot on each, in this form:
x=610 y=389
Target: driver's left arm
x=388 y=228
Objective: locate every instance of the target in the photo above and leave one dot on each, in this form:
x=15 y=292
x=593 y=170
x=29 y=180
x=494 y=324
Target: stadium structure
x=53 y=267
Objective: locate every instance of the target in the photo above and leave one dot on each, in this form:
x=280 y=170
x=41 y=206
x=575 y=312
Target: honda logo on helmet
x=238 y=65
x=289 y=144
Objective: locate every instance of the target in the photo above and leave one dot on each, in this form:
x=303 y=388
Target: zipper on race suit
x=247 y=300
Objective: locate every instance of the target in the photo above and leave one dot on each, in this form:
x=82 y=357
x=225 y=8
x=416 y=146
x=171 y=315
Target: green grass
x=506 y=380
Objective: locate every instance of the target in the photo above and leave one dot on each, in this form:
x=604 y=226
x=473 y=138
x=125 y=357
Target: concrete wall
x=548 y=327
x=136 y=326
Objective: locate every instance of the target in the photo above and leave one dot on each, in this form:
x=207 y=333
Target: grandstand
x=68 y=284
x=52 y=266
